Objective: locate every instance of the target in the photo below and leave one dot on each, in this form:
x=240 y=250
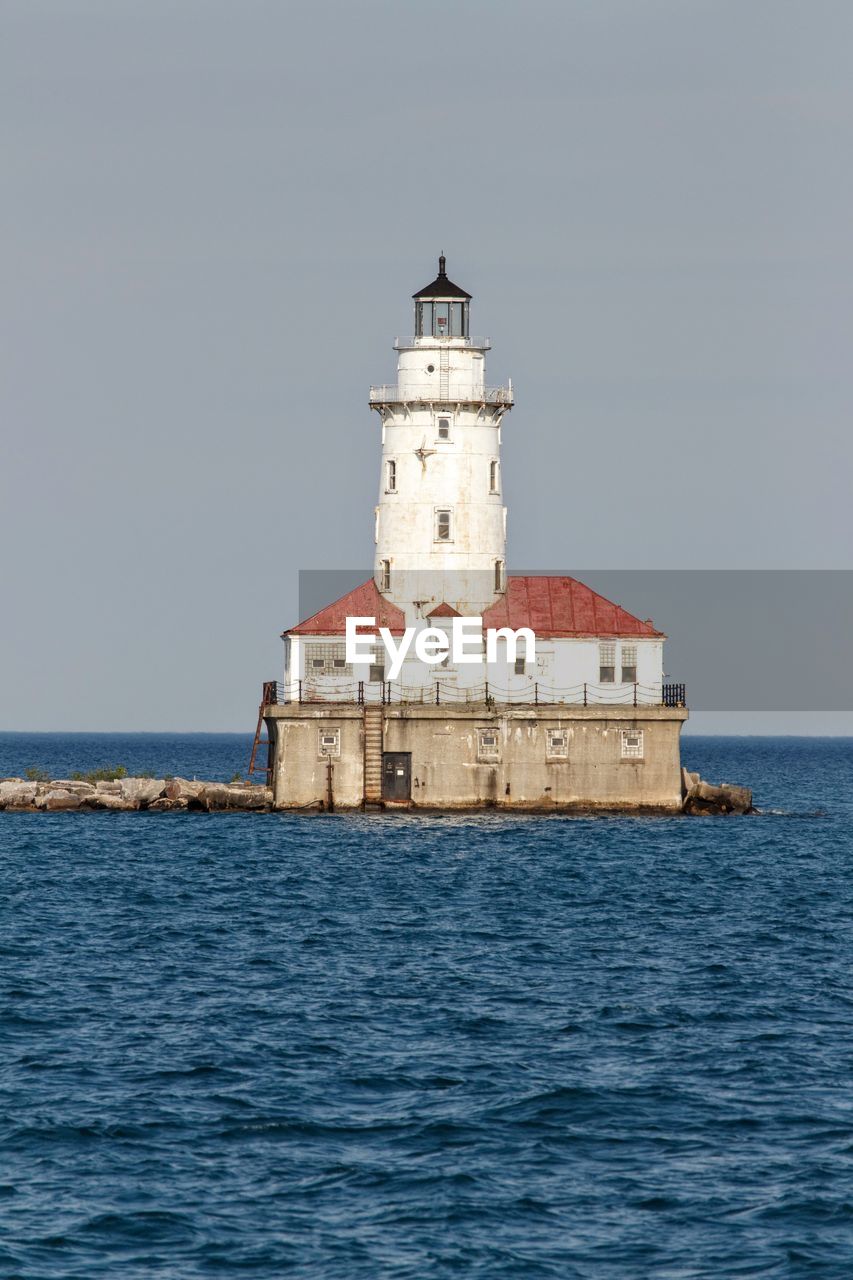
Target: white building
x=440 y=551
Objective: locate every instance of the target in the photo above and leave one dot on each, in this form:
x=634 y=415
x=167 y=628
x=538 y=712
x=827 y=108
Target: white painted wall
x=452 y=474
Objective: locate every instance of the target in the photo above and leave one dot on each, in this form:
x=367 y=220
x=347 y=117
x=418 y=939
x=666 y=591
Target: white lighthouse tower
x=440 y=524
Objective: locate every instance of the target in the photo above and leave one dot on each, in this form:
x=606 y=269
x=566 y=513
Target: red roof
x=444 y=611
x=363 y=602
x=562 y=607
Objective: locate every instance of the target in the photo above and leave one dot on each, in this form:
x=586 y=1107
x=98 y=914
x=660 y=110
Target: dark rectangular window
x=607 y=663
x=442 y=526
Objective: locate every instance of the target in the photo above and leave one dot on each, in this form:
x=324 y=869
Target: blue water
x=256 y=1045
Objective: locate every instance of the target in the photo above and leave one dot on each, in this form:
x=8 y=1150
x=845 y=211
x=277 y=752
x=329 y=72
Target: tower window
x=629 y=663
x=493 y=476
x=499 y=575
x=391 y=475
x=385 y=576
x=443 y=525
x=444 y=428
x=607 y=662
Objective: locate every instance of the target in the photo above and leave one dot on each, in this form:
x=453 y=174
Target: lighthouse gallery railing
x=448 y=693
x=428 y=393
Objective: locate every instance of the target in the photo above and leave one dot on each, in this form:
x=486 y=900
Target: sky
x=214 y=215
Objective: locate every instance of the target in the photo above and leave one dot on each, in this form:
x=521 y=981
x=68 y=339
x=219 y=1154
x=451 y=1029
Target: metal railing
x=428 y=340
x=445 y=692
x=426 y=393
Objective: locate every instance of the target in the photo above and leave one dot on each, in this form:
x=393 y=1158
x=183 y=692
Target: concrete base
x=473 y=756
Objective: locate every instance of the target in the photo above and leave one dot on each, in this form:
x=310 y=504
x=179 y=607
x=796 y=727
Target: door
x=396 y=775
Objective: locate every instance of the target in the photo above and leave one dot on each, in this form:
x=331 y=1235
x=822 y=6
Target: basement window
x=443 y=525
x=391 y=476
x=629 y=663
x=607 y=662
x=329 y=742
x=632 y=744
x=557 y=744
x=520 y=667
x=488 y=744
x=377 y=673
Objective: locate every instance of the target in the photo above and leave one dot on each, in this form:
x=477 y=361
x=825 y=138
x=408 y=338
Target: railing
x=392 y=393
x=445 y=692
x=402 y=344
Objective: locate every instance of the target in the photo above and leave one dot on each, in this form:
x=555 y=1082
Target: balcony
x=345 y=691
x=408 y=343
x=430 y=393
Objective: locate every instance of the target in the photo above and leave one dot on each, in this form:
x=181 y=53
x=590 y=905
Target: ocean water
x=241 y=1045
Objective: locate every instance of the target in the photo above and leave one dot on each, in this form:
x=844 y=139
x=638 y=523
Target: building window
x=377 y=673
x=443 y=427
x=499 y=575
x=385 y=575
x=629 y=663
x=325 y=659
x=520 y=667
x=443 y=525
x=557 y=744
x=607 y=662
x=632 y=744
x=493 y=477
x=391 y=476
x=329 y=742
x=487 y=744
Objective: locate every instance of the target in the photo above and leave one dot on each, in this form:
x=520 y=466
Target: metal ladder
x=444 y=374
x=374 y=716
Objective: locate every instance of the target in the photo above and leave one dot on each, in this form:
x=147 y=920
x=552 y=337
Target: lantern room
x=441 y=308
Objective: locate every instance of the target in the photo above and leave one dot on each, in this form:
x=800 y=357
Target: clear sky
x=213 y=216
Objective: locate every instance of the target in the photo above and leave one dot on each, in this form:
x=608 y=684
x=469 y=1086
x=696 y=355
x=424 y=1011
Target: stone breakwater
x=22 y=795
x=125 y=794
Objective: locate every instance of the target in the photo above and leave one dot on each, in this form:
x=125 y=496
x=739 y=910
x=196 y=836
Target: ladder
x=373 y=724
x=444 y=374
x=268 y=697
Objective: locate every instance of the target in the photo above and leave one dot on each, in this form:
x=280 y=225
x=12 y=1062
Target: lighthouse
x=440 y=521
x=581 y=718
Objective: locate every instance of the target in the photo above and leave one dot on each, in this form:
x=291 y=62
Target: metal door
x=396 y=775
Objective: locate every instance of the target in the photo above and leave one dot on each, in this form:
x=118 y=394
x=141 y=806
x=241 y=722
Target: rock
x=703 y=797
x=108 y=788
x=165 y=803
x=688 y=781
x=216 y=795
x=106 y=800
x=79 y=788
x=17 y=793
x=141 y=790
x=58 y=798
x=181 y=789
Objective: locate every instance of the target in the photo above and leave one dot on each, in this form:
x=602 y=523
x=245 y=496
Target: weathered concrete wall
x=449 y=768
